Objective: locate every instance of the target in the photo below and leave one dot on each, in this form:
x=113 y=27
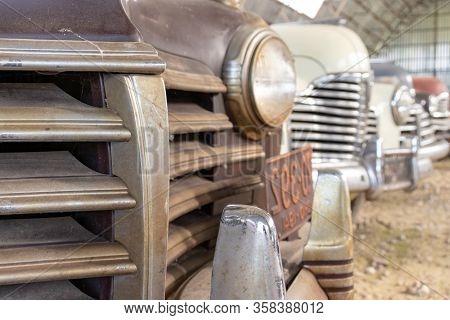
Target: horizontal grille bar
x=179 y=271
x=427 y=130
x=190 y=117
x=46 y=182
x=193 y=192
x=49 y=249
x=42 y=112
x=188 y=232
x=332 y=116
x=187 y=157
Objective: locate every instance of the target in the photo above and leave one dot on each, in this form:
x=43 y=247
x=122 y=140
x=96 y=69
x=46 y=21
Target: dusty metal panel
x=143 y=164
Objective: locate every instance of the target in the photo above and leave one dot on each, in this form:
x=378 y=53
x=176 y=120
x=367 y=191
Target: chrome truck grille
x=58 y=192
x=419 y=124
x=332 y=116
x=202 y=147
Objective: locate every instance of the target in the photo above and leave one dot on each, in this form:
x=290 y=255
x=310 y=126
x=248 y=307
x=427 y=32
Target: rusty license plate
x=289 y=189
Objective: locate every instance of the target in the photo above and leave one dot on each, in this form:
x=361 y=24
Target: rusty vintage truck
x=126 y=127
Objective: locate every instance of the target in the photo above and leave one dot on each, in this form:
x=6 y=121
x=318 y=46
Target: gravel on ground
x=402 y=242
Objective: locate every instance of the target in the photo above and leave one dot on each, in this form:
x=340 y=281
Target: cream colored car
x=334 y=112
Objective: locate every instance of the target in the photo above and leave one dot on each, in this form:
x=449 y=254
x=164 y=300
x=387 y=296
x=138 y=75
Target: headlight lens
x=260 y=76
x=401 y=104
x=272 y=82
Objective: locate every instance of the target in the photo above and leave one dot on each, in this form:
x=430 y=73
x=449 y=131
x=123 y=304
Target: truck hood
x=66 y=20
x=196 y=29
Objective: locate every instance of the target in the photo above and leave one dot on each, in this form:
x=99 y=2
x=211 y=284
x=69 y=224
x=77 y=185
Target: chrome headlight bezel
x=247 y=56
x=401 y=104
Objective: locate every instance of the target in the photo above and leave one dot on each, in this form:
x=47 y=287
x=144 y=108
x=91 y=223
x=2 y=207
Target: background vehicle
x=416 y=123
x=331 y=110
x=118 y=159
x=432 y=94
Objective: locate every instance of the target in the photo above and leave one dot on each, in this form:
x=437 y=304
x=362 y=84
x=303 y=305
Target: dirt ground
x=403 y=246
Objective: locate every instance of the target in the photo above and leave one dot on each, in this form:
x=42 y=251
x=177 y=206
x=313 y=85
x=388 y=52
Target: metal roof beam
x=374 y=15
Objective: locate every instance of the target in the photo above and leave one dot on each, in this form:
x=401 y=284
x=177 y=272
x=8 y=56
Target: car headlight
x=438 y=105
x=402 y=102
x=260 y=76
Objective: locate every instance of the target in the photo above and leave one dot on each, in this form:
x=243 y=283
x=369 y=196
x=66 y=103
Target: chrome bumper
x=387 y=170
x=355 y=174
x=435 y=151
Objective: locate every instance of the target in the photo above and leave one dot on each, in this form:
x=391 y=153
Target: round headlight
x=260 y=76
x=402 y=102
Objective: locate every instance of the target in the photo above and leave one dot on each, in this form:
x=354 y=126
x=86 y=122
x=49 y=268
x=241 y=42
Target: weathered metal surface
x=143 y=164
x=289 y=189
x=401 y=167
x=193 y=192
x=192 y=25
x=60 y=20
x=182 y=269
x=190 y=75
x=37 y=112
x=198 y=287
x=56 y=249
x=190 y=117
x=305 y=287
x=190 y=156
x=56 y=182
x=55 y=290
x=248 y=264
x=292 y=252
x=60 y=56
x=231 y=3
x=329 y=251
x=188 y=232
x=374 y=163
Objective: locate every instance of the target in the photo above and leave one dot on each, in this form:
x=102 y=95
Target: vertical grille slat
x=333 y=116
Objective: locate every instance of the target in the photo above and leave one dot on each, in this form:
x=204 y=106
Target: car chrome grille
x=427 y=133
x=53 y=206
x=333 y=116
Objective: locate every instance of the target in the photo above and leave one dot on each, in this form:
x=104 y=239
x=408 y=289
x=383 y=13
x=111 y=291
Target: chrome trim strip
x=328 y=103
x=302 y=126
x=339 y=86
x=435 y=151
x=141 y=103
x=326 y=110
x=334 y=147
x=83 y=56
x=324 y=119
x=344 y=95
x=307 y=136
